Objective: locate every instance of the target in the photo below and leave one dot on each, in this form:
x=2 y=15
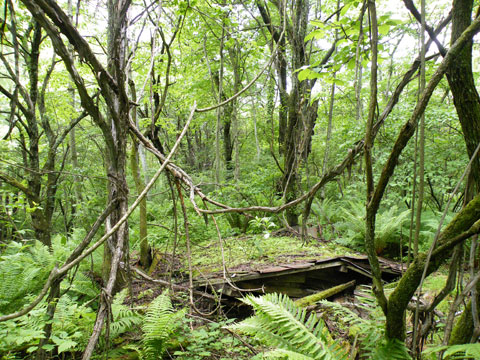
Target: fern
x=390 y=350
x=370 y=331
x=84 y=286
x=124 y=318
x=23 y=270
x=387 y=230
x=281 y=323
x=285 y=354
x=462 y=351
x=160 y=322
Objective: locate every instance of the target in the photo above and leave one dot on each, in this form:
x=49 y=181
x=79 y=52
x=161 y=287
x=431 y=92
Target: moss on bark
x=409 y=282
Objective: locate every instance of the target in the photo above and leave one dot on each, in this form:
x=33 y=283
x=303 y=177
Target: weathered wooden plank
x=281 y=272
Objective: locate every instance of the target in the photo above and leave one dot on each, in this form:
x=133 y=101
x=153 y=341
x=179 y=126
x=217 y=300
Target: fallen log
x=324 y=294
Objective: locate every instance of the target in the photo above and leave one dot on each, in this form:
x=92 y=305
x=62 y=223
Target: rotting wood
x=322 y=295
x=299 y=279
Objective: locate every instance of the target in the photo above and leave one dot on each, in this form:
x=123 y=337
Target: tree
x=298 y=112
x=130 y=84
x=112 y=83
x=31 y=117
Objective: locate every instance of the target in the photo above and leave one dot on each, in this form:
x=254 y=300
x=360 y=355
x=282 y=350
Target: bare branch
x=79 y=254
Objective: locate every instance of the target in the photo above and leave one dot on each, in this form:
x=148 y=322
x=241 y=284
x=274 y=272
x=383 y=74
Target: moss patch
x=252 y=252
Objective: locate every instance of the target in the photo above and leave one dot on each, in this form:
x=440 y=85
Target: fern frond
x=280 y=322
x=370 y=331
x=461 y=351
x=286 y=354
x=391 y=350
x=159 y=323
x=23 y=269
x=254 y=326
x=125 y=319
x=83 y=285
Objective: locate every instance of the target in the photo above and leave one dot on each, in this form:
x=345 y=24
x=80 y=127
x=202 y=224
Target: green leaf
x=384 y=29
x=351 y=64
x=317 y=23
x=66 y=344
x=315 y=34
x=308 y=74
x=345 y=9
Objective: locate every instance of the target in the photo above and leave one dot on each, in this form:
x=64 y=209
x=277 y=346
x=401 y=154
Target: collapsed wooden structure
x=297 y=279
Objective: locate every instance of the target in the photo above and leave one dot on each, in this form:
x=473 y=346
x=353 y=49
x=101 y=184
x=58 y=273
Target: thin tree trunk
x=371 y=211
x=330 y=110
x=255 y=130
x=421 y=143
x=329 y=127
x=421 y=170
x=77 y=187
x=234 y=59
x=220 y=112
x=359 y=68
x=145 y=250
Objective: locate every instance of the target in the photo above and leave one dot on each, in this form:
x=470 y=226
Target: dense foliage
x=154 y=140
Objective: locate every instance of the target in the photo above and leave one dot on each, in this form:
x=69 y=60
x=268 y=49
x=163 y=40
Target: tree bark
x=454 y=233
x=117 y=151
x=467 y=104
x=462 y=83
x=302 y=113
x=145 y=250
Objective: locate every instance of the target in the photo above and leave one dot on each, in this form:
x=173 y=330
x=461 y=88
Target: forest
x=239 y=179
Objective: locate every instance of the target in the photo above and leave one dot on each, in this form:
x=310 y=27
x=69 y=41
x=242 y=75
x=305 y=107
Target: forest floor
x=240 y=254
x=245 y=255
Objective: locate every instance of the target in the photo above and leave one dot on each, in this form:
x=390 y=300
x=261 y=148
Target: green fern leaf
x=461 y=351
x=286 y=354
x=159 y=324
x=281 y=323
x=391 y=350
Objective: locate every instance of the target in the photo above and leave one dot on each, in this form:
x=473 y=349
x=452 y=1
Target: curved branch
x=78 y=254
x=409 y=128
x=18 y=185
x=413 y=10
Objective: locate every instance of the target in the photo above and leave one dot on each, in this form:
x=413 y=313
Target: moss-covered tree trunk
x=400 y=297
x=297 y=114
x=462 y=83
x=302 y=113
x=467 y=104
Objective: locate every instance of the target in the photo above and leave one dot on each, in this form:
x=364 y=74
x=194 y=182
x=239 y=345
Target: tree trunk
x=461 y=81
x=409 y=282
x=145 y=250
x=117 y=150
x=302 y=113
x=467 y=104
x=421 y=143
